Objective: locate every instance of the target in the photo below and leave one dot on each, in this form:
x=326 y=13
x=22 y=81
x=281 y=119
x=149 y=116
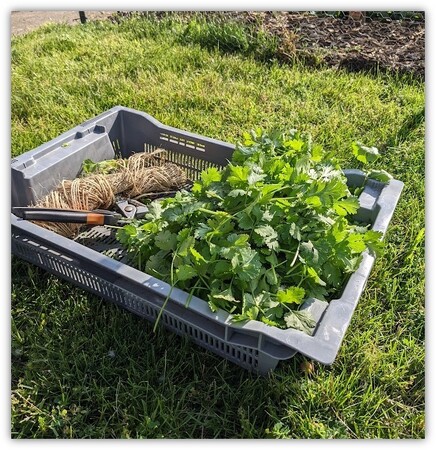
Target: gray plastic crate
x=96 y=262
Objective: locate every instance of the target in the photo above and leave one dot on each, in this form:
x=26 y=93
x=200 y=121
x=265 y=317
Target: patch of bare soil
x=353 y=43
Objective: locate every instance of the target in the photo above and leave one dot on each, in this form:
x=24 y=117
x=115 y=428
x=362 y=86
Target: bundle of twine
x=142 y=173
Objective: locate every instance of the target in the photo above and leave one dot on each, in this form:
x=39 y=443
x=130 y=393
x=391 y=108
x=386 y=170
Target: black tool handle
x=65 y=216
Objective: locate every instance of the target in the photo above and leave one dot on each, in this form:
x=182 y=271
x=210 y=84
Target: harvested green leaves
x=262 y=235
x=103 y=167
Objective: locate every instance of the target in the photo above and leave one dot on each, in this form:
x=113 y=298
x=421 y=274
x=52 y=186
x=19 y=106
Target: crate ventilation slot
x=182 y=142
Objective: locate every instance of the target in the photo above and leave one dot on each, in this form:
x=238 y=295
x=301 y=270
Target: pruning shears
x=128 y=209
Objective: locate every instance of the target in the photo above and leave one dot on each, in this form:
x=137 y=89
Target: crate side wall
x=147 y=306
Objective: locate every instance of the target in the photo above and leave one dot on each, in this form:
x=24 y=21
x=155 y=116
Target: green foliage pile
x=262 y=235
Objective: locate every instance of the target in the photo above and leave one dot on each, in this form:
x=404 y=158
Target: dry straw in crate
x=140 y=174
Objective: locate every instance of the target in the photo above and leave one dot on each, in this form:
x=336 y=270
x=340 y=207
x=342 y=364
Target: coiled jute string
x=142 y=173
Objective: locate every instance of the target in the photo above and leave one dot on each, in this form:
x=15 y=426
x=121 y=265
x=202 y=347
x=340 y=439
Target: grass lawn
x=82 y=368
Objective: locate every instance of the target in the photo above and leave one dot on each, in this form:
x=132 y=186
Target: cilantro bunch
x=258 y=238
